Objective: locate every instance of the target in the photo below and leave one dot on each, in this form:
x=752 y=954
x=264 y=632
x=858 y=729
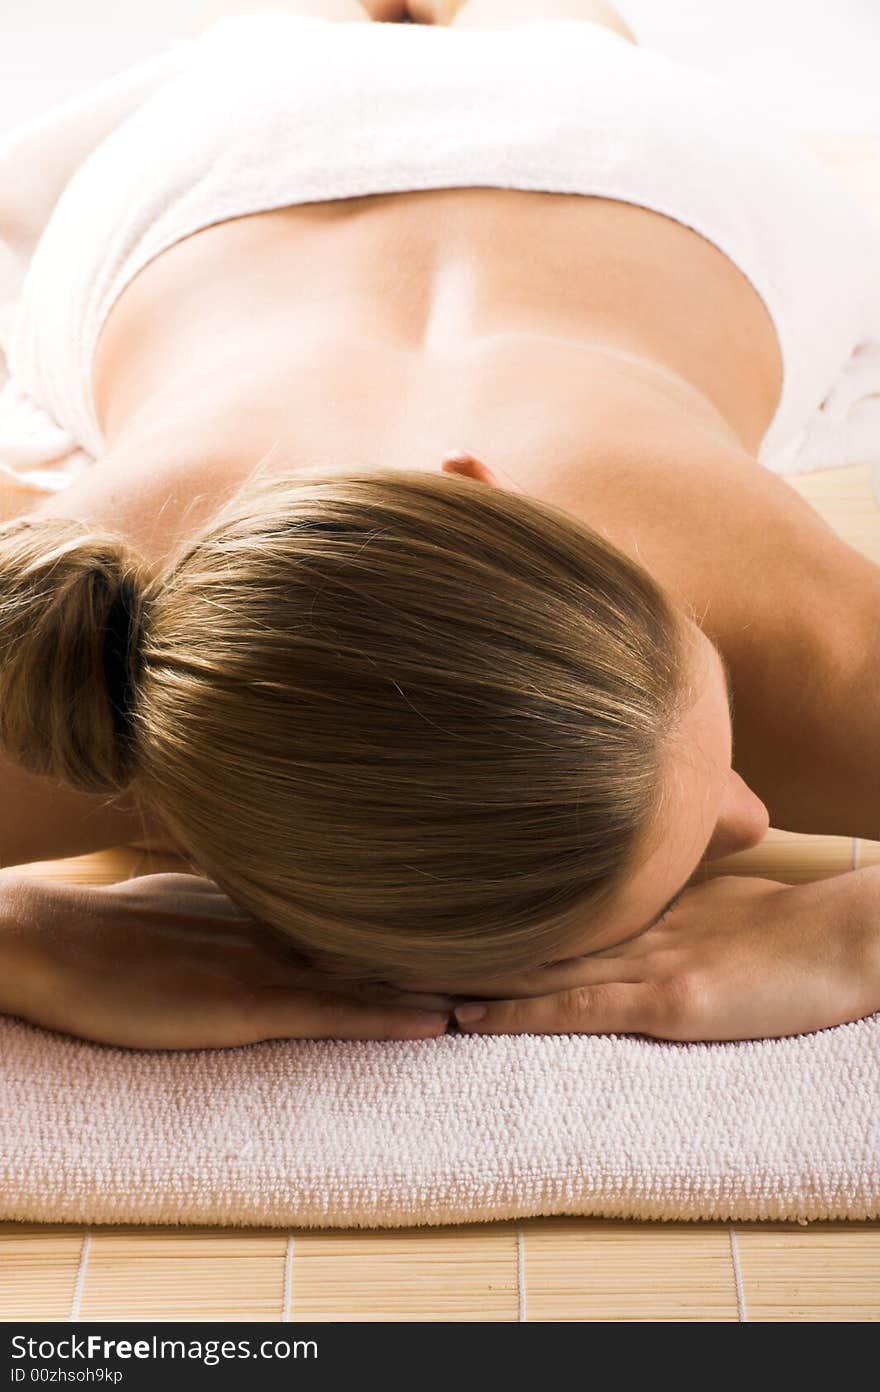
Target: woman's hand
x=168 y=962
x=737 y=958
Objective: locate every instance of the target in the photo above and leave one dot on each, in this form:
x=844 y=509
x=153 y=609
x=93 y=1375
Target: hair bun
x=71 y=615
x=120 y=643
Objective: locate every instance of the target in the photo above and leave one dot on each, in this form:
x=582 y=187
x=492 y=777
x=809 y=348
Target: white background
x=818 y=61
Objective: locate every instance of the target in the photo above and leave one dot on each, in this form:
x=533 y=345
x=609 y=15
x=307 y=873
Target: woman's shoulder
x=794 y=610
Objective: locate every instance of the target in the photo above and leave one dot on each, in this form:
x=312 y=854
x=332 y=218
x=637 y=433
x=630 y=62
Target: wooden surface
x=539 y=1269
x=543 y=1269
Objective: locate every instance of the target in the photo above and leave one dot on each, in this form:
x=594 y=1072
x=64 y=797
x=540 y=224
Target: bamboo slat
x=589 y=1269
x=830 y=1271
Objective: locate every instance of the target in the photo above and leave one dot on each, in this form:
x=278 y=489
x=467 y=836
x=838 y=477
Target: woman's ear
x=460 y=462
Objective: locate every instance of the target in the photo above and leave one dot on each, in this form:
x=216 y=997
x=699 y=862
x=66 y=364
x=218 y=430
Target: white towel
x=43 y=452
x=324 y=1133
x=37 y=160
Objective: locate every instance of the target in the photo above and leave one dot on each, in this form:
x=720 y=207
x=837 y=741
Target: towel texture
x=315 y=1133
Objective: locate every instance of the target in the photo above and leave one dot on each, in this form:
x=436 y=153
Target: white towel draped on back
x=37 y=161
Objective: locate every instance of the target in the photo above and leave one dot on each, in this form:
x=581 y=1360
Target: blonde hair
x=412 y=722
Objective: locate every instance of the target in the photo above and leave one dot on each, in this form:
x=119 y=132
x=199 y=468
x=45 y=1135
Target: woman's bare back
x=586 y=349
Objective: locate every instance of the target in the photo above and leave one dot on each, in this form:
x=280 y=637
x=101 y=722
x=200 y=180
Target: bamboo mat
x=539 y=1269
x=543 y=1269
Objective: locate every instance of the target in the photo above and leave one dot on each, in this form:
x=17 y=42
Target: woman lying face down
x=431 y=743
x=422 y=726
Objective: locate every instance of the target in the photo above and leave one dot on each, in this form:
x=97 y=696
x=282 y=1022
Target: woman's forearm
x=21 y=948
x=848 y=906
x=738 y=958
x=167 y=961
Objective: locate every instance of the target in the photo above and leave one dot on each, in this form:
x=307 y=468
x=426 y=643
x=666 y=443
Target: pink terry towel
x=315 y=1133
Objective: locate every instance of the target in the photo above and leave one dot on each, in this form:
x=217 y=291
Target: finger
x=311 y=1015
x=610 y=1008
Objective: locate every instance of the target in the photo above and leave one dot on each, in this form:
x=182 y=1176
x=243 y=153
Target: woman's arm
x=738 y=958
x=168 y=962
